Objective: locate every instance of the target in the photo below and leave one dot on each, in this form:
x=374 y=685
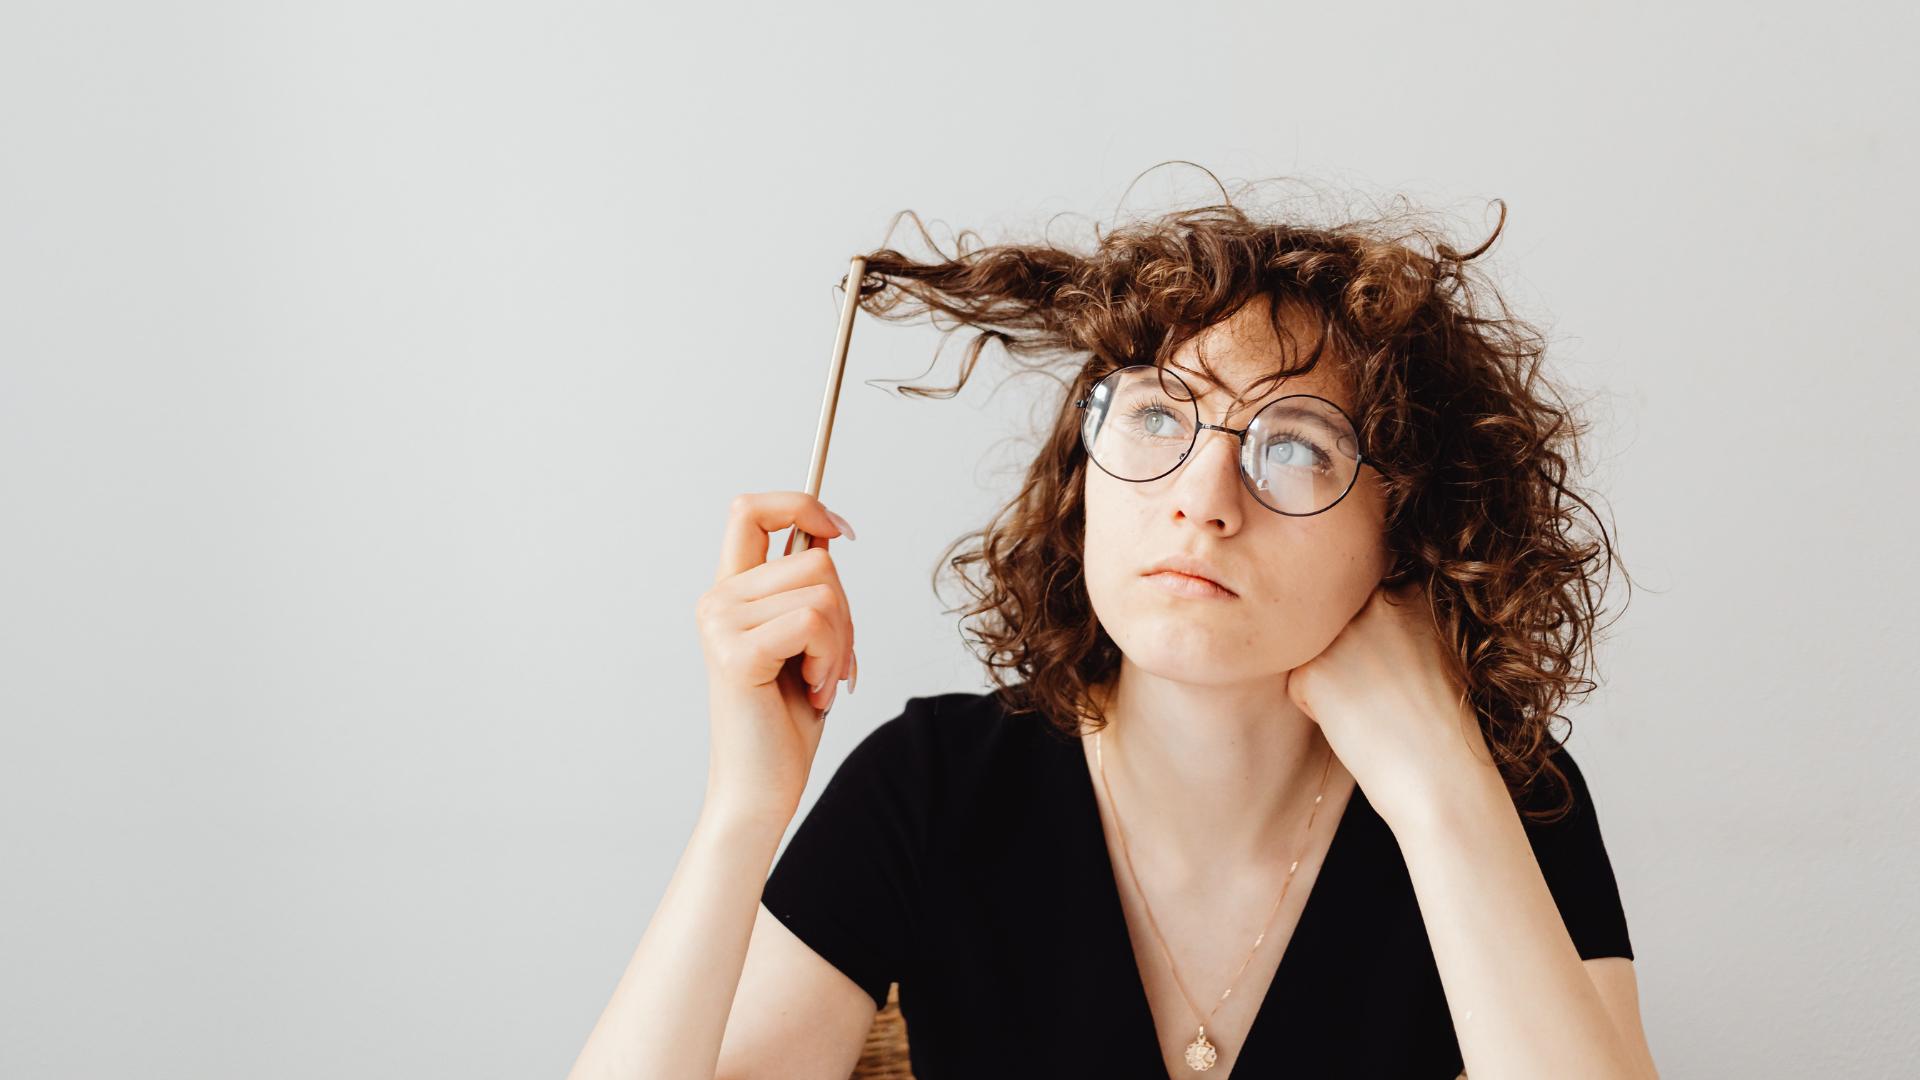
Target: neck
x=1209 y=775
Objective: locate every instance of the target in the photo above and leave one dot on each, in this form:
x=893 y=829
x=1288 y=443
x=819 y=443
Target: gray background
x=374 y=378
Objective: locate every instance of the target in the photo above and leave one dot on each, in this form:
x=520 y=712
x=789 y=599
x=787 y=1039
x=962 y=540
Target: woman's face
x=1297 y=580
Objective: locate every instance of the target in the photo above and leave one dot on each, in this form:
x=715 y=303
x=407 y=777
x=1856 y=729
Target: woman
x=1290 y=597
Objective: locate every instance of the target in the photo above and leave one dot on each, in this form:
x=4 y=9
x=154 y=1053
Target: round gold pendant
x=1201 y=1055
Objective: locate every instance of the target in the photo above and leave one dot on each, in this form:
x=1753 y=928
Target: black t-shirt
x=958 y=850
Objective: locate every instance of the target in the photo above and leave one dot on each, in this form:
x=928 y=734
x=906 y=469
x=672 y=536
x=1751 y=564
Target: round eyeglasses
x=1298 y=456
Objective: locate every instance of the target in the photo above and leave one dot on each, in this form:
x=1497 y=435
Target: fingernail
x=853 y=675
x=834 y=693
x=842 y=522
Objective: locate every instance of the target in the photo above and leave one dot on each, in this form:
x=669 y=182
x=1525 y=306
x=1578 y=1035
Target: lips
x=1192 y=568
x=1188 y=585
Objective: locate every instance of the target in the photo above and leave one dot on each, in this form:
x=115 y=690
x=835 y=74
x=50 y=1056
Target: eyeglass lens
x=1299 y=454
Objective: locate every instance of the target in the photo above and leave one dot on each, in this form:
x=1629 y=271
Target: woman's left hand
x=1390 y=706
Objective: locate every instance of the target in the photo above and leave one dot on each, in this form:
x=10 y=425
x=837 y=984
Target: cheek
x=1107 y=525
x=1324 y=578
x=1109 y=546
x=1323 y=587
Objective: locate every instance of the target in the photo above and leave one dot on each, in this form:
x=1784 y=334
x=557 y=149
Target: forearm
x=670 y=1008
x=1522 y=1003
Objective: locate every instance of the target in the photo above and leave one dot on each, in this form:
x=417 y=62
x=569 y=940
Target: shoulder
x=953 y=757
x=948 y=732
x=1573 y=858
x=1561 y=792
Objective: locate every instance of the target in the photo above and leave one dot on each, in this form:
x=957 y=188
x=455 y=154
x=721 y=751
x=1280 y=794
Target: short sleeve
x=848 y=882
x=1573 y=859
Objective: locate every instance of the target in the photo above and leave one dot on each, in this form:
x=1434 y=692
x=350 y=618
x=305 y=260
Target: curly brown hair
x=1472 y=442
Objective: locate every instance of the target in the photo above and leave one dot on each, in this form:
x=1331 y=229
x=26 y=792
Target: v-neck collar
x=1109 y=923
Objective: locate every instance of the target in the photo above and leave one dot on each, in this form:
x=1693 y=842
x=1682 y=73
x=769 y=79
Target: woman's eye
x=1294 y=453
x=1155 y=421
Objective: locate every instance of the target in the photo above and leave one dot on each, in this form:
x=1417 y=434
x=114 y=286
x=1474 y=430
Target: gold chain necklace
x=1201 y=1054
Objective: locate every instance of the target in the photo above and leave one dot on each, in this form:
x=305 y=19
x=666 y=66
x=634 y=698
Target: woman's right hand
x=759 y=614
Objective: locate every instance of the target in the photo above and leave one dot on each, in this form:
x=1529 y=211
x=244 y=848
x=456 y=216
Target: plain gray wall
x=374 y=378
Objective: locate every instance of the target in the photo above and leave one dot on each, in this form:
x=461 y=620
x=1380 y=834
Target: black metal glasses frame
x=1360 y=459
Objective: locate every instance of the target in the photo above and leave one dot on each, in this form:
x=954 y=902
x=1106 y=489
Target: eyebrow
x=1207 y=388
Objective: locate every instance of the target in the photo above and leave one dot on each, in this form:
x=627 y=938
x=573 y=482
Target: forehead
x=1231 y=363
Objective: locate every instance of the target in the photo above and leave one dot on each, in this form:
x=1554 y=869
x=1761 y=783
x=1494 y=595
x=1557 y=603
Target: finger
x=753 y=516
x=819 y=596
x=796 y=579
x=795 y=571
x=804 y=632
x=846 y=610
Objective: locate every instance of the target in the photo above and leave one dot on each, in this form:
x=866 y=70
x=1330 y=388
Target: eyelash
x=1321 y=460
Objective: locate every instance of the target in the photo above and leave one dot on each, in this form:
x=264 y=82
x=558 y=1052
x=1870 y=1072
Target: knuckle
x=816 y=620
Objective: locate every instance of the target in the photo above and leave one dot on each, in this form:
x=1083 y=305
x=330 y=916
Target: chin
x=1181 y=647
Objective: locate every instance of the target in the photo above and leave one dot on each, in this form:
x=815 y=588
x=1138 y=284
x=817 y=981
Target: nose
x=1206 y=486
